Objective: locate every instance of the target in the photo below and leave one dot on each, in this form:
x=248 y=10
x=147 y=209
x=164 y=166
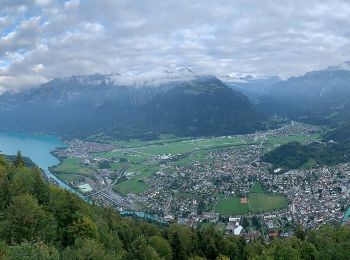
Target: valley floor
x=194 y=181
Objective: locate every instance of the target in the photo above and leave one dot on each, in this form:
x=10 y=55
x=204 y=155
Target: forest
x=41 y=221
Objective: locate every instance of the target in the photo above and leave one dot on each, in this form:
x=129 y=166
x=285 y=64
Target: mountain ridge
x=82 y=105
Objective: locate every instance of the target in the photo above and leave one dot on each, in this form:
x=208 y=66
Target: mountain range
x=317 y=97
x=180 y=103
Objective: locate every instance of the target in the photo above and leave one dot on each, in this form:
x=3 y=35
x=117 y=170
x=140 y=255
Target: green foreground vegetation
x=41 y=221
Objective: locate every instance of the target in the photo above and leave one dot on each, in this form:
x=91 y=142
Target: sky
x=45 y=39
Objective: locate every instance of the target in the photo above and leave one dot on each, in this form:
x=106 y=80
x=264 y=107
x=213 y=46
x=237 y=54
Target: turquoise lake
x=35 y=146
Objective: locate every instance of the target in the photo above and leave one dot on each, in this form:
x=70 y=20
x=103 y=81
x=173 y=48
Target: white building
x=237 y=231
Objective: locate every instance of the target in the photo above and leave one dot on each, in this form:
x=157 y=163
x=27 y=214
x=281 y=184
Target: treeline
x=41 y=221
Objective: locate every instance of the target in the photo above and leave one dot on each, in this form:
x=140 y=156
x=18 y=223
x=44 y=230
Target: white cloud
x=38 y=68
x=44 y=39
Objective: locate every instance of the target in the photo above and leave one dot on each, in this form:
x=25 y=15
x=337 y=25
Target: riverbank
x=346 y=217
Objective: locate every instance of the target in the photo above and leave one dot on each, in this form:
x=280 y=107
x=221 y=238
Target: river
x=346 y=216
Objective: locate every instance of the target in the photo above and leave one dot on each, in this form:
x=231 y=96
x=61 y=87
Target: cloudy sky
x=44 y=39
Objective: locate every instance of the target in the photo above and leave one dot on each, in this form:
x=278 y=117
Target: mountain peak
x=185 y=70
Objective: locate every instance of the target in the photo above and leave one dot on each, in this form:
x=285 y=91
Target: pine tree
x=178 y=250
x=19 y=162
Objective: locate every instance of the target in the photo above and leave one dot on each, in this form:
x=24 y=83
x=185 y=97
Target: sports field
x=231 y=206
x=257 y=202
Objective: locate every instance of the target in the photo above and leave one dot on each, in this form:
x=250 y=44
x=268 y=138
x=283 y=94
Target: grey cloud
x=25 y=36
x=268 y=37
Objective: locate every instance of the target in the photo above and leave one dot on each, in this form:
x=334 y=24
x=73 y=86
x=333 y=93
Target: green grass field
x=265 y=202
x=257 y=202
x=131 y=186
x=72 y=166
x=231 y=206
x=292 y=138
x=180 y=147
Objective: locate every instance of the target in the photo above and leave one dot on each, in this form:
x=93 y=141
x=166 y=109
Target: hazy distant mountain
x=251 y=86
x=318 y=96
x=180 y=102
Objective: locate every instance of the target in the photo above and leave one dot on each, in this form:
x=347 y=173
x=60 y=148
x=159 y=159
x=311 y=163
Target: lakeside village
x=196 y=194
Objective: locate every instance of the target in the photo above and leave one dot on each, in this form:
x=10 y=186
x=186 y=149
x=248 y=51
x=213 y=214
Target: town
x=221 y=181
